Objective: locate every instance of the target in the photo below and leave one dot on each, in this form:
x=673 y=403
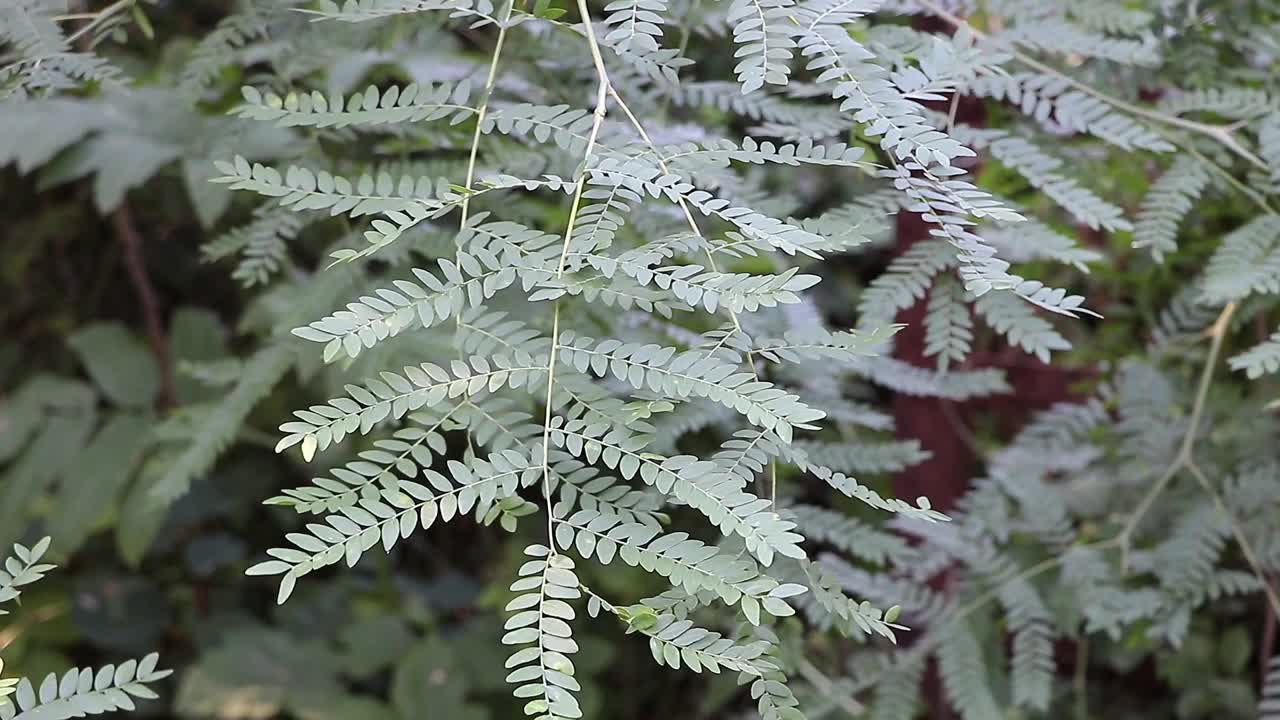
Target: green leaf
x=427 y=683
x=94 y=479
x=209 y=200
x=141 y=515
x=118 y=363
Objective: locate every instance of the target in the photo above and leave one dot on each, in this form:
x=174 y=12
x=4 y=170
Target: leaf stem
x=98 y=18
x=483 y=108
x=149 y=302
x=599 y=113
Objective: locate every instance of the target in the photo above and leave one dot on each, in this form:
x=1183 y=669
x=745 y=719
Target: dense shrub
x=858 y=357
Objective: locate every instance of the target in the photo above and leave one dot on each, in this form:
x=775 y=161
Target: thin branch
x=1183 y=460
x=1230 y=179
x=99 y=17
x=135 y=263
x=827 y=688
x=1242 y=540
x=1080 y=682
x=483 y=107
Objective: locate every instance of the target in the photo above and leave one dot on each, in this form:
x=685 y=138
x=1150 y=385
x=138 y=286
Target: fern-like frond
x=1032 y=665
x=897 y=697
x=1042 y=171
x=1018 y=322
x=1053 y=100
x=696 y=286
x=964 y=674
x=1237 y=103
x=762 y=32
x=948 y=325
x=863 y=87
x=580 y=486
x=1247 y=262
x=1165 y=205
x=39 y=58
x=395 y=395
x=568 y=127
x=539 y=625
x=84 y=691
x=701 y=484
x=853 y=536
x=686 y=562
x=212 y=428
x=817 y=344
x=22 y=568
x=469 y=279
x=1109 y=17
x=1269 y=702
x=1187 y=558
x=905 y=281
x=1260 y=359
x=387 y=516
x=677 y=642
x=365 y=10
x=1059 y=36
x=774 y=699
x=219 y=48
x=922 y=510
x=409 y=452
x=302 y=189
x=852 y=618
x=691 y=374
x=30 y=29
x=788 y=120
x=393 y=106
x=260 y=243
x=636 y=25
x=904 y=377
x=1033 y=240
x=945 y=67
x=646 y=179
x=864 y=457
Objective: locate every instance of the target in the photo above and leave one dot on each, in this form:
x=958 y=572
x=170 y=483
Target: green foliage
x=607 y=306
x=76 y=692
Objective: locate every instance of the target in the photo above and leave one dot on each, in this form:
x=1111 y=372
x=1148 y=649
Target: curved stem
x=1242 y=540
x=1230 y=179
x=148 y=301
x=98 y=18
x=1217 y=332
x=1081 y=681
x=827 y=688
x=1183 y=459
